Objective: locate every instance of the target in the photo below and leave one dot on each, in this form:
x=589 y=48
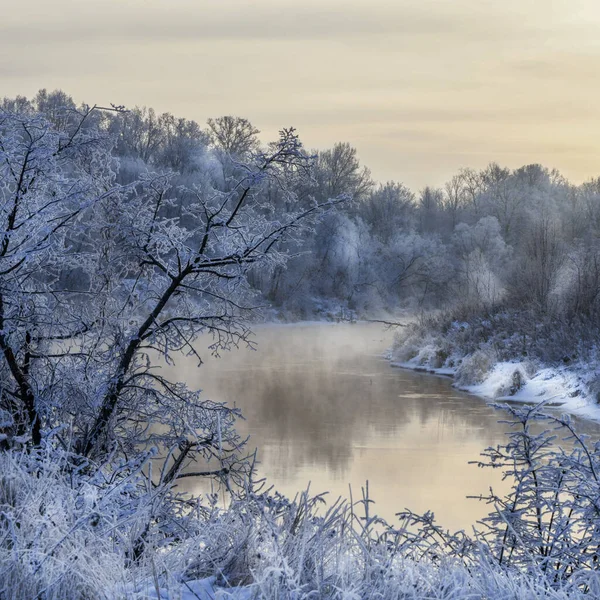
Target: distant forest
x=523 y=238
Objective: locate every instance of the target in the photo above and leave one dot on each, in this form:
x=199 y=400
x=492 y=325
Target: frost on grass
x=475 y=368
x=65 y=533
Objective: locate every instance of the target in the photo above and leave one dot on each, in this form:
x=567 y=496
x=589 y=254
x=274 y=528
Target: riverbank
x=262 y=545
x=493 y=370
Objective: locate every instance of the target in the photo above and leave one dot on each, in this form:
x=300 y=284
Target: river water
x=324 y=406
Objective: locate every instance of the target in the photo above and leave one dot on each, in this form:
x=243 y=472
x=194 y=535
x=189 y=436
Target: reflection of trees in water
x=316 y=392
x=312 y=395
x=322 y=416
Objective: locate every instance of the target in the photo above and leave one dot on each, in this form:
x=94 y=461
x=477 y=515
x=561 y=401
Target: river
x=324 y=406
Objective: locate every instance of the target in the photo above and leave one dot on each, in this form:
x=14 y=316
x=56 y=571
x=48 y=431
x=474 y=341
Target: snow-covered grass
x=68 y=534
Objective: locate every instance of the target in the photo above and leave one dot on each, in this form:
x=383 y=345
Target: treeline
x=523 y=238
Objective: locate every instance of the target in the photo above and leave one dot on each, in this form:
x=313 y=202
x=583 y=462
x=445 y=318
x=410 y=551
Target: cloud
x=208 y=20
x=433 y=78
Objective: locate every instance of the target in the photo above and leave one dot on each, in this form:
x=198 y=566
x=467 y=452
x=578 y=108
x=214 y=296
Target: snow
x=559 y=387
x=413 y=365
x=199 y=589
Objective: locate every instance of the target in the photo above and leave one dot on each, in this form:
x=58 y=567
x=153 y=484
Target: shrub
x=475 y=367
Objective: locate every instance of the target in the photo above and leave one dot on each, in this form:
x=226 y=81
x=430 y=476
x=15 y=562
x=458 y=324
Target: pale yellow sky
x=420 y=87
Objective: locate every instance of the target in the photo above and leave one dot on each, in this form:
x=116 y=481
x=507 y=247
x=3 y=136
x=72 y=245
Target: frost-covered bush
x=66 y=533
x=593 y=385
x=407 y=344
x=549 y=521
x=412 y=344
x=474 y=368
x=50 y=545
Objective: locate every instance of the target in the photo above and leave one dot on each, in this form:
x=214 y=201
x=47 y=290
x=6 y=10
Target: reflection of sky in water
x=323 y=407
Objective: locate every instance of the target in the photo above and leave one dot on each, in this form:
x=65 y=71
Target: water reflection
x=322 y=405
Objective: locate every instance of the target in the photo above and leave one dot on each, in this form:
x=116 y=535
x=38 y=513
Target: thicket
x=68 y=532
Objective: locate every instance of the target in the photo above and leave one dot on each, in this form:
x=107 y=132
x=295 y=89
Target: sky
x=420 y=87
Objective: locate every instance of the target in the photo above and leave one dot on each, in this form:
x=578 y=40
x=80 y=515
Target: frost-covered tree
x=482 y=255
x=235 y=136
x=338 y=171
x=388 y=210
x=99 y=281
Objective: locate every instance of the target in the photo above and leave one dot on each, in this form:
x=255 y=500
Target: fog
x=323 y=406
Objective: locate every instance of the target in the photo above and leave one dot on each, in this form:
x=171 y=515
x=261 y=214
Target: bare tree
x=339 y=171
x=235 y=136
x=147 y=285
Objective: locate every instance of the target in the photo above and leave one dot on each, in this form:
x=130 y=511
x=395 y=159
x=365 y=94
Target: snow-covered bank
x=407 y=580
x=198 y=589
x=59 y=543
x=572 y=388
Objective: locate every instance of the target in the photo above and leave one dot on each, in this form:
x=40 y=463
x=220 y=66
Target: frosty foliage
x=522 y=239
x=98 y=277
x=68 y=533
x=475 y=367
x=126 y=234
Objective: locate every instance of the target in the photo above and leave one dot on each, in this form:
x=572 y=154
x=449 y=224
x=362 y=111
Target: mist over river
x=322 y=405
